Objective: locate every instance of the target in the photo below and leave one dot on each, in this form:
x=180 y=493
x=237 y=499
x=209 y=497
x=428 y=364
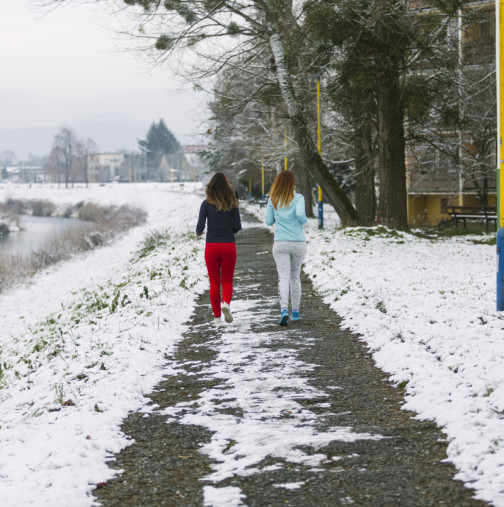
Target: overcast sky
x=60 y=65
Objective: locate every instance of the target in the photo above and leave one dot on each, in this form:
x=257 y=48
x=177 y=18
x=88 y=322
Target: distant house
x=25 y=174
x=105 y=167
x=185 y=165
x=166 y=172
x=197 y=165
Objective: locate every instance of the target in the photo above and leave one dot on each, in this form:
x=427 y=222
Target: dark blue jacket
x=222 y=225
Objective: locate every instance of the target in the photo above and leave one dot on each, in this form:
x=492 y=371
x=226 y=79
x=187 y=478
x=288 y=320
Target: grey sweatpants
x=289 y=256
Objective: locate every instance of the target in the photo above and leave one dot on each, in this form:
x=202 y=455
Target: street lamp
x=262 y=176
x=319 y=146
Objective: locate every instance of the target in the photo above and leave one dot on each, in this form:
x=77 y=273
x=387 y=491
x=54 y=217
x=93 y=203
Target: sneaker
x=284 y=317
x=227 y=312
x=217 y=322
x=295 y=315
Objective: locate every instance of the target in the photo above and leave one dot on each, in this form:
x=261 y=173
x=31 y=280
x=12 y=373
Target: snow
x=84 y=341
x=73 y=368
x=427 y=310
x=264 y=387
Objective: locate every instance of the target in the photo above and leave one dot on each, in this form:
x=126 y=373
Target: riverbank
x=98 y=225
x=82 y=344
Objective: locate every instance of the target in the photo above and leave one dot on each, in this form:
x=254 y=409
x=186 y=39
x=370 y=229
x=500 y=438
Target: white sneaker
x=227 y=313
x=217 y=322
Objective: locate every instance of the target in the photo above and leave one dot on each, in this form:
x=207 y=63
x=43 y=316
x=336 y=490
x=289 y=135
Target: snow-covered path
x=297 y=414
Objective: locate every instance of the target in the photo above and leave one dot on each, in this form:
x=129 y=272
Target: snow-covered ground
x=427 y=310
x=83 y=341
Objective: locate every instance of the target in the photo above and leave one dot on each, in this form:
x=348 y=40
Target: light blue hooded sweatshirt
x=288 y=220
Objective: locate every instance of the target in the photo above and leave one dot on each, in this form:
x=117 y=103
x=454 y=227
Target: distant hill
x=111 y=132
x=110 y=119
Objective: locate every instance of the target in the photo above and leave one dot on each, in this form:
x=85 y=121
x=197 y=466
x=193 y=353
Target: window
x=481 y=28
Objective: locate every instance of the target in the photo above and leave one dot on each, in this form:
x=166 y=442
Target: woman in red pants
x=220 y=210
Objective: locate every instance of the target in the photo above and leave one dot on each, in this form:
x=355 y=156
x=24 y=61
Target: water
x=35 y=232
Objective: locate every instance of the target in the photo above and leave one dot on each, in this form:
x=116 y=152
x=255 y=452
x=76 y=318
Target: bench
x=262 y=202
x=474 y=214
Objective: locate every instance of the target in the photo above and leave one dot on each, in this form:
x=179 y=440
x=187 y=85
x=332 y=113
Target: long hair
x=220 y=193
x=282 y=190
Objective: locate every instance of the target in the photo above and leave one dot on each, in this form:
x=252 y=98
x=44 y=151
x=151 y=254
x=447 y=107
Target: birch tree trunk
x=320 y=172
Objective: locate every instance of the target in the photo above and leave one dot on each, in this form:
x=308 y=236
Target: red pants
x=220 y=260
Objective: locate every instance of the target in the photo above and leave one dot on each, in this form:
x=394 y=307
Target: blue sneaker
x=295 y=315
x=284 y=317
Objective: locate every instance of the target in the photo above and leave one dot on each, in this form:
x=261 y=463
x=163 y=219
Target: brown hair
x=220 y=193
x=282 y=190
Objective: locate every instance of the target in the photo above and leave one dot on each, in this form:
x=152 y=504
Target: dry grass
x=105 y=222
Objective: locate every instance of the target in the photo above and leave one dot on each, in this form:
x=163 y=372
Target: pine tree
x=158 y=142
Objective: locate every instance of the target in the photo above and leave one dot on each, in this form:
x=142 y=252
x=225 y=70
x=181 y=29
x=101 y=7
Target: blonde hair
x=220 y=193
x=282 y=190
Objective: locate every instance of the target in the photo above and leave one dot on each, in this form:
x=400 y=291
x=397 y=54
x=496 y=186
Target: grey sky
x=64 y=64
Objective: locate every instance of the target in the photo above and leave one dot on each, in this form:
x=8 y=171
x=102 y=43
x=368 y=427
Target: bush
x=41 y=207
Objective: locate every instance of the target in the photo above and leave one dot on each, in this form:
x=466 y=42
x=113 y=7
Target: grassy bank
x=104 y=223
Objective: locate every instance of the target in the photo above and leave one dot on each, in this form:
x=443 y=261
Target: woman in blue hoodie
x=286 y=209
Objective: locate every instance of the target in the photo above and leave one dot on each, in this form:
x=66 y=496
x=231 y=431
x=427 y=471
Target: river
x=35 y=231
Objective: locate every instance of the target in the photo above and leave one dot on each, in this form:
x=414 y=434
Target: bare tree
x=84 y=148
x=55 y=164
x=66 y=141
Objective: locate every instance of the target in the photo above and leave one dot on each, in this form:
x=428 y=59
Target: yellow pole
x=262 y=177
x=194 y=174
x=250 y=188
x=500 y=110
x=285 y=147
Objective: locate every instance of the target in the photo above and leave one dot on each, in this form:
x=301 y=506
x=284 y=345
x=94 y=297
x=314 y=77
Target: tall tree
x=64 y=143
x=394 y=55
x=84 y=149
x=55 y=164
x=158 y=142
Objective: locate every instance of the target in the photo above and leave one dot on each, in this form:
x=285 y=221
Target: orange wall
x=425 y=210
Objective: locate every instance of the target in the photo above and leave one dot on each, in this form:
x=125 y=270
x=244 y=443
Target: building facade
x=458 y=166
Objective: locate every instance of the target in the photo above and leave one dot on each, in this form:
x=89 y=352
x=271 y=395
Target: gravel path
x=260 y=415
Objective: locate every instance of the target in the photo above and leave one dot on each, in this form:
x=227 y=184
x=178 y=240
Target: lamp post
x=319 y=146
x=262 y=176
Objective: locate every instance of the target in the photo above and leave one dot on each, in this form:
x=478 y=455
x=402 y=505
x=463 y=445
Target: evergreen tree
x=387 y=64
x=4 y=173
x=158 y=142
